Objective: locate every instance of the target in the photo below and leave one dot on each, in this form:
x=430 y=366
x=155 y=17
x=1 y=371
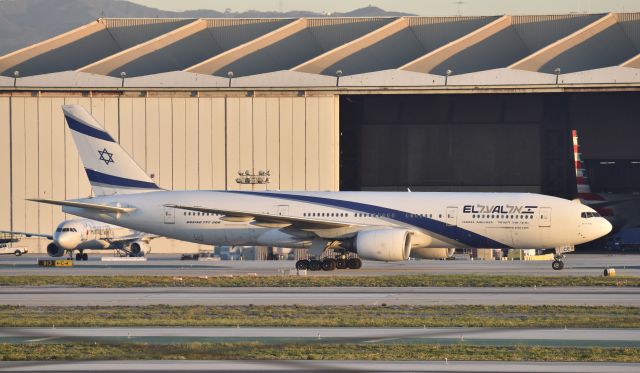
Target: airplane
x=622 y=210
x=86 y=234
x=382 y=226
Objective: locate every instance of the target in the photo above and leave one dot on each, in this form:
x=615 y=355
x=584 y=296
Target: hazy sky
x=420 y=7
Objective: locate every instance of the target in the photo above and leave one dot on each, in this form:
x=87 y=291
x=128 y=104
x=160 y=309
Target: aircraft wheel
x=328 y=264
x=302 y=265
x=18 y=252
x=85 y=256
x=358 y=263
x=354 y=263
x=315 y=265
x=78 y=256
x=341 y=264
x=557 y=265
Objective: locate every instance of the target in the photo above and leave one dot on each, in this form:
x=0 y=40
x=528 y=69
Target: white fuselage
x=453 y=220
x=86 y=234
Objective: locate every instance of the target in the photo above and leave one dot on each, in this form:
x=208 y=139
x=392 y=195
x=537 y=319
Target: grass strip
x=474 y=280
x=259 y=351
x=521 y=316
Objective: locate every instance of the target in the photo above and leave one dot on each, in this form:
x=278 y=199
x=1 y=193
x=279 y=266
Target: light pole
x=338 y=75
x=447 y=75
x=249 y=178
x=16 y=75
x=230 y=76
x=123 y=76
x=557 y=72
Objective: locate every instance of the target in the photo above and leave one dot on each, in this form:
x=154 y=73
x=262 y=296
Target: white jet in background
x=80 y=235
x=382 y=226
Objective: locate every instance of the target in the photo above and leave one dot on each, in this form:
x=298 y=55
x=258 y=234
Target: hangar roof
x=368 y=51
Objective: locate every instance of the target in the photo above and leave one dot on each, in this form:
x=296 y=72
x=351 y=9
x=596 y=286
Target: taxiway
x=318 y=296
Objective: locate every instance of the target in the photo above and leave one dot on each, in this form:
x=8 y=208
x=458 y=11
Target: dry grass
x=328 y=316
x=479 y=280
x=259 y=351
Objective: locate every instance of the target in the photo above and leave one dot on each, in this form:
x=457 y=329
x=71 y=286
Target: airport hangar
x=430 y=103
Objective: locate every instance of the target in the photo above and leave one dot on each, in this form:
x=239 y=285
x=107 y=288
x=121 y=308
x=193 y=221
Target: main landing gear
x=329 y=264
x=557 y=264
x=82 y=256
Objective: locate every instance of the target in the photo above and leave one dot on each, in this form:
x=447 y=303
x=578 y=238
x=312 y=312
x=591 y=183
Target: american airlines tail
x=110 y=169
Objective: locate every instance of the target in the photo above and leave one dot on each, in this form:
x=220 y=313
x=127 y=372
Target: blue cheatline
x=466 y=237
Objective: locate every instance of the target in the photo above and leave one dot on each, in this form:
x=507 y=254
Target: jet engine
x=433 y=253
x=383 y=244
x=54 y=250
x=139 y=248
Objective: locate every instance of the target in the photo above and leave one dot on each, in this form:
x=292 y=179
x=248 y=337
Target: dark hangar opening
x=489 y=142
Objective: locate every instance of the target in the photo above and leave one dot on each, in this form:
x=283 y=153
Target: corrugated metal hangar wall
x=185 y=142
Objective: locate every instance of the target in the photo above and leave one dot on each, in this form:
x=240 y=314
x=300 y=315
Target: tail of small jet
x=110 y=169
x=582 y=181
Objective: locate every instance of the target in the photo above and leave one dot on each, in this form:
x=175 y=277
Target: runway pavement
x=66 y=296
x=575 y=265
x=270 y=335
x=316 y=366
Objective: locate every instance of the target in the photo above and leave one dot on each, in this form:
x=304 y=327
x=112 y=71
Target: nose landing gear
x=557 y=264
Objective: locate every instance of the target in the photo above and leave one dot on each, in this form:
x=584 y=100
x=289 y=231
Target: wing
x=28 y=234
x=268 y=220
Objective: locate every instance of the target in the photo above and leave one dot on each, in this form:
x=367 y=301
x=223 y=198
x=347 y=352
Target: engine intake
x=139 y=248
x=54 y=250
x=384 y=244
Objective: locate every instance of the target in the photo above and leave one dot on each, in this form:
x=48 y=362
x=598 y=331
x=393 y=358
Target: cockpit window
x=59 y=230
x=589 y=214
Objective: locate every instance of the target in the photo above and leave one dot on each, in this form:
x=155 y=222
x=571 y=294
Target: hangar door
x=441 y=142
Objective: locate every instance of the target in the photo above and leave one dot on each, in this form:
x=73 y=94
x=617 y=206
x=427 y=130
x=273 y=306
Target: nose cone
x=67 y=241
x=606 y=226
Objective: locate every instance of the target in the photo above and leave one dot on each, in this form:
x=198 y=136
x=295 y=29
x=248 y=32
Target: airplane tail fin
x=110 y=169
x=582 y=180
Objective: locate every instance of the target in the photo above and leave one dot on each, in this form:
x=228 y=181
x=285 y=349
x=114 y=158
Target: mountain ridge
x=26 y=22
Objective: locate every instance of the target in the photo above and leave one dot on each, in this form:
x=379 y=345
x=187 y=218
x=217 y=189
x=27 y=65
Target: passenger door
x=282 y=210
x=544 y=217
x=169 y=215
x=452 y=216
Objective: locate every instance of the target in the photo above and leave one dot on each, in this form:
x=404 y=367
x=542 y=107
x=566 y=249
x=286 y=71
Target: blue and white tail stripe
x=76 y=125
x=96 y=177
x=110 y=169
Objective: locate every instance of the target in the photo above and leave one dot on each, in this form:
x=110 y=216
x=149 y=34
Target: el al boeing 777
x=382 y=226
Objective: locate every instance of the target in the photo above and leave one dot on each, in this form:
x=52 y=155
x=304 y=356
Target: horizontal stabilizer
x=85 y=205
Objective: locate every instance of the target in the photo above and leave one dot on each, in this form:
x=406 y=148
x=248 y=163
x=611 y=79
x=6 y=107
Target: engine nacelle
x=433 y=253
x=54 y=250
x=383 y=244
x=139 y=248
